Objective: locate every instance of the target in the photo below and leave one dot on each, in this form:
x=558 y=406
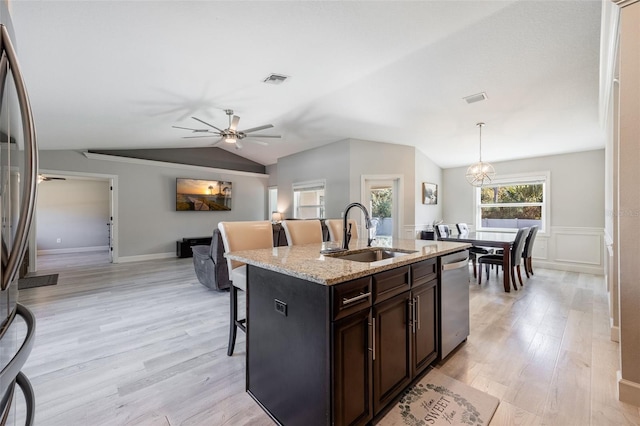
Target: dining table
x=501 y=240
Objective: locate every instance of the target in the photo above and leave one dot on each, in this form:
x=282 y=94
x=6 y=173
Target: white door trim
x=113 y=201
x=398 y=198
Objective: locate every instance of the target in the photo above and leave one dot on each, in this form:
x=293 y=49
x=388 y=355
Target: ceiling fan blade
x=234 y=123
x=210 y=125
x=217 y=142
x=238 y=144
x=194 y=137
x=255 y=129
x=188 y=128
x=264 y=136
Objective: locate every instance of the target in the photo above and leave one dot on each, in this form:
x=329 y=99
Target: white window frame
x=315 y=185
x=272 y=201
x=518 y=179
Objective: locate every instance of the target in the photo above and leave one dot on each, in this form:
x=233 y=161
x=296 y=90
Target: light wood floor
x=145 y=344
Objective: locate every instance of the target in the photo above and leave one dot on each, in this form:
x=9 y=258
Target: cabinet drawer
x=350 y=297
x=390 y=283
x=424 y=271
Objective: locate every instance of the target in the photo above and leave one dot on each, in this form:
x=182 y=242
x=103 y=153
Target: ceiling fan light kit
x=480 y=173
x=229 y=135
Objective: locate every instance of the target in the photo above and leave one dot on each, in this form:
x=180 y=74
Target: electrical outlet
x=59 y=240
x=280 y=306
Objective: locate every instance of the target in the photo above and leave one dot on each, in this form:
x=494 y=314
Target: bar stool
x=336 y=229
x=241 y=236
x=302 y=231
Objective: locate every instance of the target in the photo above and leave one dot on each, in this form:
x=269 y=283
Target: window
x=513 y=202
x=273 y=201
x=308 y=200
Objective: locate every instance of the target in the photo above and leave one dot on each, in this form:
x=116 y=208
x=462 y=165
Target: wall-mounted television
x=202 y=195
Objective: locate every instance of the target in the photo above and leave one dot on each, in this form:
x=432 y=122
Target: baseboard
x=142 y=257
x=628 y=391
x=73 y=250
x=585 y=269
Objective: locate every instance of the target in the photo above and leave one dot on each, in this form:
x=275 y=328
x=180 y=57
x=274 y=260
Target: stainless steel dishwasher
x=454 y=301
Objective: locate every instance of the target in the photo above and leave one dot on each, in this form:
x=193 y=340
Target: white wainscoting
x=576 y=249
x=611 y=280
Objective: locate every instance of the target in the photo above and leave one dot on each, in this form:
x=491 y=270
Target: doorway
x=381 y=194
x=74 y=223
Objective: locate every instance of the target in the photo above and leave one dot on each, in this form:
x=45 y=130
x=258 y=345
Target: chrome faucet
x=346 y=233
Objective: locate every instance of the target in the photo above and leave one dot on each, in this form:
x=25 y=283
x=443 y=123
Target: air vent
x=275 y=79
x=475 y=98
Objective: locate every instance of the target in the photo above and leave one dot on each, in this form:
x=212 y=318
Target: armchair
x=210 y=264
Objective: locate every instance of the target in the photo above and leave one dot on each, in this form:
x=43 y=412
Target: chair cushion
x=480 y=250
x=239 y=277
x=491 y=258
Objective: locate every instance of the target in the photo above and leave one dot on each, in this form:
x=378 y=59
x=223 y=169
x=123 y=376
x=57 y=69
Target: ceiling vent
x=275 y=79
x=475 y=98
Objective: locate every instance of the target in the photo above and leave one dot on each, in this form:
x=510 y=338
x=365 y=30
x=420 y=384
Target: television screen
x=202 y=195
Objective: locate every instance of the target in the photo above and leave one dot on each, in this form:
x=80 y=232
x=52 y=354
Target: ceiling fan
x=231 y=134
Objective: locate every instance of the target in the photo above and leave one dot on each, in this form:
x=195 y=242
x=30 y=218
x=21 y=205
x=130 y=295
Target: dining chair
x=462 y=228
x=336 y=229
x=527 y=251
x=304 y=231
x=497 y=259
x=443 y=231
x=237 y=236
x=474 y=251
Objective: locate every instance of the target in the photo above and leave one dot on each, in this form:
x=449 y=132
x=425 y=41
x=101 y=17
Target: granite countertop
x=306 y=261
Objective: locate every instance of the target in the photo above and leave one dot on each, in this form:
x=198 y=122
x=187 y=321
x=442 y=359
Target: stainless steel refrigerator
x=18 y=185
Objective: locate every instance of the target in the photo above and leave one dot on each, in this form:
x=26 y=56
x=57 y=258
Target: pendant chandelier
x=479 y=174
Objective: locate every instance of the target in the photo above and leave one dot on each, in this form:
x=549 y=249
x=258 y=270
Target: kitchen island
x=335 y=341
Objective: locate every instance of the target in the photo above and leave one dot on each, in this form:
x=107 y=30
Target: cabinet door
x=424 y=326
x=391 y=364
x=352 y=370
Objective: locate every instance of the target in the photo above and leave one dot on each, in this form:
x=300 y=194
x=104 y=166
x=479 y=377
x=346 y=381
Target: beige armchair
x=241 y=236
x=302 y=231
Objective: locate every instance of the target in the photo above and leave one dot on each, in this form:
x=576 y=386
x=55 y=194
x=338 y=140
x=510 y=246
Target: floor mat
x=40 y=281
x=438 y=399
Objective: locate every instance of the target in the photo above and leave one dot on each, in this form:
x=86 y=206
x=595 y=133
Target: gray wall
x=76 y=211
x=342 y=165
x=147 y=221
x=329 y=163
x=377 y=158
x=427 y=171
x=577 y=188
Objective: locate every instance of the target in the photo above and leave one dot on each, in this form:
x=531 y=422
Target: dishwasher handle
x=456 y=265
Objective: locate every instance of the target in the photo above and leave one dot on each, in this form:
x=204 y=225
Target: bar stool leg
x=233 y=317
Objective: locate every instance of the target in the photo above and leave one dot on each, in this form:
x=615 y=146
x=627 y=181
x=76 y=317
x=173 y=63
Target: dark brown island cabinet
x=338 y=355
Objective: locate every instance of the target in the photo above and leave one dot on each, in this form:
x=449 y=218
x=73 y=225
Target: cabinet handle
x=418 y=310
x=412 y=314
x=373 y=339
x=361 y=296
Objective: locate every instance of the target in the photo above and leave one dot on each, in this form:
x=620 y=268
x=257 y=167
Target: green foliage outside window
x=381 y=203
x=521 y=194
x=512 y=194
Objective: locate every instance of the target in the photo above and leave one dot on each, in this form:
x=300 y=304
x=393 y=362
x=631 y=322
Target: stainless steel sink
x=372 y=255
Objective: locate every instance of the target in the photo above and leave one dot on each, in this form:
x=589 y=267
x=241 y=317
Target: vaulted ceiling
x=120 y=74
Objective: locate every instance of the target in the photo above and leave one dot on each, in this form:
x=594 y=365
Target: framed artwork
x=429 y=193
x=202 y=195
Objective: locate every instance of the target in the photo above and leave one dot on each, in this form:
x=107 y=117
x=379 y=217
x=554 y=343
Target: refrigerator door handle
x=11 y=261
